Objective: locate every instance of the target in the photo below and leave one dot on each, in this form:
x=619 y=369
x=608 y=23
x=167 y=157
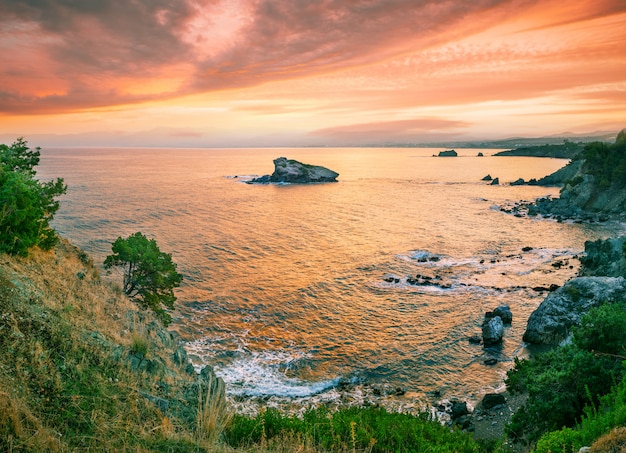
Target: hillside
x=566 y=150
x=82 y=369
x=595 y=185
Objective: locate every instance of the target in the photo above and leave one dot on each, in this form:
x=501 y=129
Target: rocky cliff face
x=603 y=269
x=292 y=171
x=552 y=322
x=604 y=258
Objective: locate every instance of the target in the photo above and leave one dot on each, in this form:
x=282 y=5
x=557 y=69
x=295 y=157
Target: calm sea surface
x=285 y=287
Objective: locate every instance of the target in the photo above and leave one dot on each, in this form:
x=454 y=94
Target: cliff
x=594 y=185
x=601 y=281
x=82 y=368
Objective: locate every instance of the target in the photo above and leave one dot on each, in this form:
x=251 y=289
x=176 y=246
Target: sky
x=231 y=73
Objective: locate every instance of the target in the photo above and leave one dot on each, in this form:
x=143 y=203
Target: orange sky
x=314 y=72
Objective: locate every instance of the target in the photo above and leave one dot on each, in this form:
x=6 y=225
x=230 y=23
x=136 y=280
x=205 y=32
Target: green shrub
x=602 y=330
x=562 y=382
x=360 y=429
x=26 y=205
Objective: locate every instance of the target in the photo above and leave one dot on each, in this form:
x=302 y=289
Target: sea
x=363 y=291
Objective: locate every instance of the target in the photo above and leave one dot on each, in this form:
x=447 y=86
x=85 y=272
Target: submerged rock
x=292 y=171
x=552 y=321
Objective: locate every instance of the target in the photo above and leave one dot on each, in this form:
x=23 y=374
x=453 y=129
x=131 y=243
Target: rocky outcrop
x=559 y=177
x=292 y=171
x=493 y=331
x=606 y=258
x=448 y=153
x=504 y=312
x=551 y=323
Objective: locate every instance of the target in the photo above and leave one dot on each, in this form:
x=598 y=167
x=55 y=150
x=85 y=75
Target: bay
x=290 y=291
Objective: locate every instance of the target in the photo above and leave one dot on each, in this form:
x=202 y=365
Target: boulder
x=487 y=178
x=493 y=331
x=495 y=181
x=480 y=154
x=518 y=182
x=458 y=409
x=448 y=153
x=504 y=312
x=551 y=322
x=492 y=400
x=292 y=171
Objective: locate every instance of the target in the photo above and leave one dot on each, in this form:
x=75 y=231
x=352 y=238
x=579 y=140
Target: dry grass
x=612 y=442
x=214 y=413
x=66 y=382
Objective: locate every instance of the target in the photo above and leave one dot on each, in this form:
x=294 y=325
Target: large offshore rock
x=552 y=321
x=292 y=171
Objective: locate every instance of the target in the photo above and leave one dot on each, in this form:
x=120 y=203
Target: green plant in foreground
x=566 y=384
x=352 y=429
x=26 y=205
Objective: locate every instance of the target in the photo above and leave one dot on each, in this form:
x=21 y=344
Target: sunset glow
x=282 y=73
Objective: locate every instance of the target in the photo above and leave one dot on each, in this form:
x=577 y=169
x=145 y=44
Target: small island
x=292 y=171
x=448 y=153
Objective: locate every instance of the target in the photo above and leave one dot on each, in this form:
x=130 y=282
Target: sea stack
x=292 y=171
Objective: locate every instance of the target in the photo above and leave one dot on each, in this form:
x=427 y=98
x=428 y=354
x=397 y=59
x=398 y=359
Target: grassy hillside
x=81 y=369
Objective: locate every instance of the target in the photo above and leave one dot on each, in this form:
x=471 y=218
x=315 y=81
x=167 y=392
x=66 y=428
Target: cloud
x=66 y=55
x=71 y=55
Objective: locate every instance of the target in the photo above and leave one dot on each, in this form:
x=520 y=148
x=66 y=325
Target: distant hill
x=519 y=142
x=567 y=150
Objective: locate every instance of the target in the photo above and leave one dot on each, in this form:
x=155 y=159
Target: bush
x=26 y=205
x=562 y=382
x=352 y=429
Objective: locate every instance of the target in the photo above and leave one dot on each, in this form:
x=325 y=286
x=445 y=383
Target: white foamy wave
x=260 y=374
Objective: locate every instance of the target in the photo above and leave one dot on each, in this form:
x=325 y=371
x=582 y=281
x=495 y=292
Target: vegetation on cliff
x=596 y=189
x=82 y=369
x=26 y=205
x=566 y=150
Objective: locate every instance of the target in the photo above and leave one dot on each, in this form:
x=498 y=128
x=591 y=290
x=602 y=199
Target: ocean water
x=298 y=294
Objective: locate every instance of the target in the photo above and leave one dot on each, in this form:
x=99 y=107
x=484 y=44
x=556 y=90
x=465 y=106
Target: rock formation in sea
x=292 y=171
x=448 y=153
x=493 y=331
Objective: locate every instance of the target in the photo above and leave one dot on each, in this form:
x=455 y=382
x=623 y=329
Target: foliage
x=602 y=331
x=26 y=205
x=149 y=275
x=561 y=382
x=352 y=429
x=607 y=162
x=596 y=421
